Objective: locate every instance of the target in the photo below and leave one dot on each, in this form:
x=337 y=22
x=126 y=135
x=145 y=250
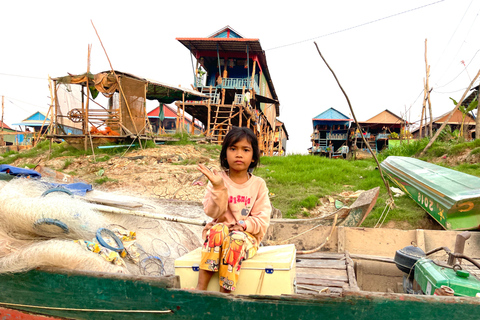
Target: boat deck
x=325 y=272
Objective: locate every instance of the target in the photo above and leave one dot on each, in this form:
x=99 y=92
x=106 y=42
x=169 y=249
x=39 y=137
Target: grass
x=104 y=179
x=299 y=181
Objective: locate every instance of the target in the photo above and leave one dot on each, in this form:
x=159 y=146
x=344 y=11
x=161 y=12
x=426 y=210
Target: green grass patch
x=298 y=181
x=103 y=158
x=104 y=179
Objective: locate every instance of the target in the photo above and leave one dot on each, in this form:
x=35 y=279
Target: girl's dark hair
x=233 y=136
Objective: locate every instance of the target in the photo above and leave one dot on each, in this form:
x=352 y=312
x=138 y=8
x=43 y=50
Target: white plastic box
x=270 y=272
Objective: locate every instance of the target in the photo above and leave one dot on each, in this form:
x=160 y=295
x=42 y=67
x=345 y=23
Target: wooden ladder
x=222 y=121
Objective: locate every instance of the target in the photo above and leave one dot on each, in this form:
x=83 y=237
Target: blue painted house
x=330 y=128
x=39 y=122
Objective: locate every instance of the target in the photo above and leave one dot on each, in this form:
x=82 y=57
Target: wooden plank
x=341 y=239
x=321 y=264
x=370 y=257
x=323 y=255
x=352 y=280
x=318 y=289
x=320 y=282
x=332 y=274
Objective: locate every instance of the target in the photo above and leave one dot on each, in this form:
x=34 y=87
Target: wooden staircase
x=221 y=122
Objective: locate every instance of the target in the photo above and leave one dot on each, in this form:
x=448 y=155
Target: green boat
x=452 y=198
x=358 y=270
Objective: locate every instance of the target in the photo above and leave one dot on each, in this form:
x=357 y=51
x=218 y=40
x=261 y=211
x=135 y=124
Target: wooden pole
x=3 y=106
x=423 y=109
x=209 y=110
x=392 y=202
x=119 y=84
x=183 y=111
x=87 y=103
x=1 y=138
x=427 y=69
x=450 y=115
x=477 y=120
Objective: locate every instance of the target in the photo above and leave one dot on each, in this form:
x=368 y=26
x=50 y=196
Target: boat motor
x=405 y=260
x=434 y=277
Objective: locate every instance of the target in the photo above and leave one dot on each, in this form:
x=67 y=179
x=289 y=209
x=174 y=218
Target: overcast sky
x=376 y=48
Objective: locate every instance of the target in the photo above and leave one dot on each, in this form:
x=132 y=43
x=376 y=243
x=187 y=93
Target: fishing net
x=33 y=232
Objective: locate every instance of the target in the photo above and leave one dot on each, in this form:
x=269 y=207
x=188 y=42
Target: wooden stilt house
x=377 y=131
x=330 y=133
x=233 y=72
x=118 y=113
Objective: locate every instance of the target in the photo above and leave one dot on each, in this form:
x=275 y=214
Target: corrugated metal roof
x=385 y=117
x=332 y=115
x=224 y=44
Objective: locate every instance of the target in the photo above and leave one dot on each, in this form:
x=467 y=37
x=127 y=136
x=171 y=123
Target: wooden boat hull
x=90 y=295
x=452 y=198
x=100 y=296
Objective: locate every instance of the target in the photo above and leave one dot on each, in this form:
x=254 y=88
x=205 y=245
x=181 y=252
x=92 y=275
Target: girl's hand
x=214 y=177
x=236 y=227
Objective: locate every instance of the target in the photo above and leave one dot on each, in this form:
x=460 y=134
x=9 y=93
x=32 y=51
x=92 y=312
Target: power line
x=356 y=26
x=21 y=76
x=448 y=43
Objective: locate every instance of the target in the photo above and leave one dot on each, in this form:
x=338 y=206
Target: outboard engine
x=405 y=260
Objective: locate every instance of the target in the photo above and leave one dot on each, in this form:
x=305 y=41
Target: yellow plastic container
x=270 y=272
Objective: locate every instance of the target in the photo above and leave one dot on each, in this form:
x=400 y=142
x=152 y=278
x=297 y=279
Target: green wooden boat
x=452 y=198
x=47 y=294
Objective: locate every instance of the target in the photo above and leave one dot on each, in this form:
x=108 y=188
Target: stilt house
x=377 y=131
x=118 y=113
x=330 y=132
x=233 y=72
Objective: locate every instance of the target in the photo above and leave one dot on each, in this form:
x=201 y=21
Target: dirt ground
x=170 y=173
x=158 y=173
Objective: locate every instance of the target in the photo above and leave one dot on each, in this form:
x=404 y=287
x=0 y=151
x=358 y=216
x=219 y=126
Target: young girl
x=239 y=204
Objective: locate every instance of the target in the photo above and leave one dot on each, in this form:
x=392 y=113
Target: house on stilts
x=109 y=106
x=330 y=133
x=232 y=71
x=377 y=131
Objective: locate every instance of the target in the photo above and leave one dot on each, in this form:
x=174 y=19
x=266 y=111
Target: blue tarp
x=78 y=188
x=15 y=171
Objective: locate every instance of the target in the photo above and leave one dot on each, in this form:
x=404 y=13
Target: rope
x=85 y=310
x=298 y=235
x=387 y=205
x=334 y=224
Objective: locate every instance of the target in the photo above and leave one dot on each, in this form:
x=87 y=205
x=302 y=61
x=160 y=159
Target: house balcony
x=383 y=136
x=233 y=83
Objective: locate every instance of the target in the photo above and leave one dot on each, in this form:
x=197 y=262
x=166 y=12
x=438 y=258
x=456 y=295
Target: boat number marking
x=469 y=206
x=427 y=203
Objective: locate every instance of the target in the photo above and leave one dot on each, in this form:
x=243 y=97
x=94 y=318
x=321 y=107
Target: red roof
x=167 y=112
x=3 y=125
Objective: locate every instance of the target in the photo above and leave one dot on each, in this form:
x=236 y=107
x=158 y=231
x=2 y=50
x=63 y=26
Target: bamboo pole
x=392 y=202
x=153 y=215
x=183 y=111
x=427 y=70
x=450 y=115
x=118 y=81
x=1 y=138
x=87 y=103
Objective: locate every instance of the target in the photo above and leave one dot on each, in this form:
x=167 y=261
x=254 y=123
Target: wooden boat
x=452 y=198
x=362 y=281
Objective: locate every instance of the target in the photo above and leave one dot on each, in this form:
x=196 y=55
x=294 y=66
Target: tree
x=465 y=110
